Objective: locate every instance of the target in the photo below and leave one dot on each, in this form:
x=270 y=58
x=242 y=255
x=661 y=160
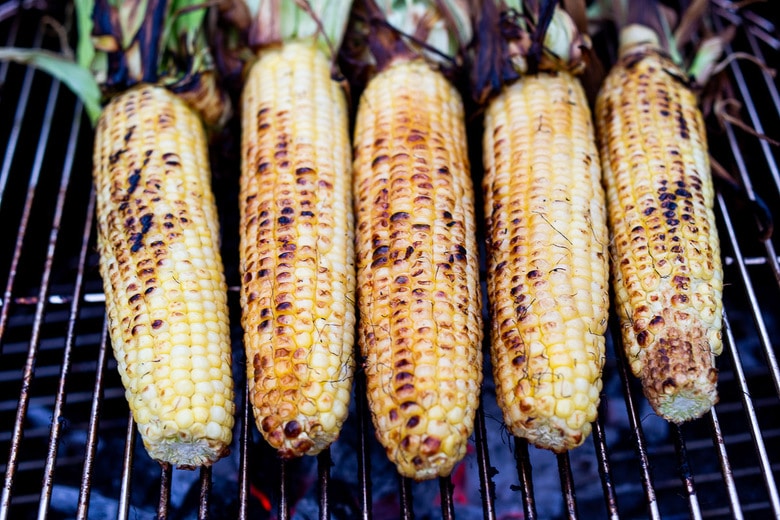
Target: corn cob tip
x=190 y=454
x=636 y=35
x=681 y=382
x=309 y=432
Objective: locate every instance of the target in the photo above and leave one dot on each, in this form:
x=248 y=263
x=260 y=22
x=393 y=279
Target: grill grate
x=71 y=443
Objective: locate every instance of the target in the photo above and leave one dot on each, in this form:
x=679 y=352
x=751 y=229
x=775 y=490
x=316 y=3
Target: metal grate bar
x=284 y=504
x=487 y=487
x=602 y=455
x=445 y=492
x=567 y=485
x=243 y=471
x=749 y=104
x=29 y=367
x=524 y=474
x=10 y=151
x=771 y=255
x=725 y=465
x=57 y=418
x=758 y=318
x=324 y=463
x=205 y=491
x=405 y=497
x=750 y=412
x=639 y=436
x=166 y=474
x=82 y=512
x=127 y=470
x=7 y=10
x=16 y=129
x=686 y=475
x=364 y=459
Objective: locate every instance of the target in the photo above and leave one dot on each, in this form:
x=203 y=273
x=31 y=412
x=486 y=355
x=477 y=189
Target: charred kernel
x=413 y=421
x=292 y=429
x=156 y=324
x=401 y=279
x=134 y=298
x=683 y=193
x=656 y=321
x=534 y=274
x=283 y=221
x=403 y=376
x=379 y=159
x=399 y=215
x=518 y=360
x=642 y=338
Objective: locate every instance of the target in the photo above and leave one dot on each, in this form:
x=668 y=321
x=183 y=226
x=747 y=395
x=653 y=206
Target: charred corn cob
x=297 y=249
x=547 y=258
x=548 y=271
x=297 y=239
x=666 y=258
x=420 y=325
x=166 y=298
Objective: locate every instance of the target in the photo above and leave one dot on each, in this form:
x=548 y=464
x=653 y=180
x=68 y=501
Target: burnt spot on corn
x=132 y=181
x=292 y=429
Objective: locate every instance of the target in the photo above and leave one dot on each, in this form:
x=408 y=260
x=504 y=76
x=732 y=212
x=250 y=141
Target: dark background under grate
x=64 y=430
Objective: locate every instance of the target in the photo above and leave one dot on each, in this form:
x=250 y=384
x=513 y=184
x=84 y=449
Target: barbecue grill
x=71 y=445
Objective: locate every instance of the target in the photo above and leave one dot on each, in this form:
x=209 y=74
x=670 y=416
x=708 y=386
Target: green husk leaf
x=706 y=58
x=278 y=21
x=79 y=79
x=85 y=49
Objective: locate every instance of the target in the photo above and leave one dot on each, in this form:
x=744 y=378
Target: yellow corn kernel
x=158 y=238
x=297 y=249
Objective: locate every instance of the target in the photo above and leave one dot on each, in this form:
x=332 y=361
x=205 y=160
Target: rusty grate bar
x=57 y=417
x=524 y=474
x=728 y=475
x=486 y=484
x=750 y=412
x=97 y=400
x=24 y=396
x=638 y=435
x=600 y=444
x=567 y=485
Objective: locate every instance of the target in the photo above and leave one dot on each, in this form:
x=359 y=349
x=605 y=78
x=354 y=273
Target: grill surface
x=71 y=444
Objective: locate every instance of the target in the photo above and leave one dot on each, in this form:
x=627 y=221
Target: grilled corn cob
x=420 y=323
x=297 y=240
x=166 y=298
x=666 y=256
x=548 y=271
x=547 y=250
x=297 y=249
